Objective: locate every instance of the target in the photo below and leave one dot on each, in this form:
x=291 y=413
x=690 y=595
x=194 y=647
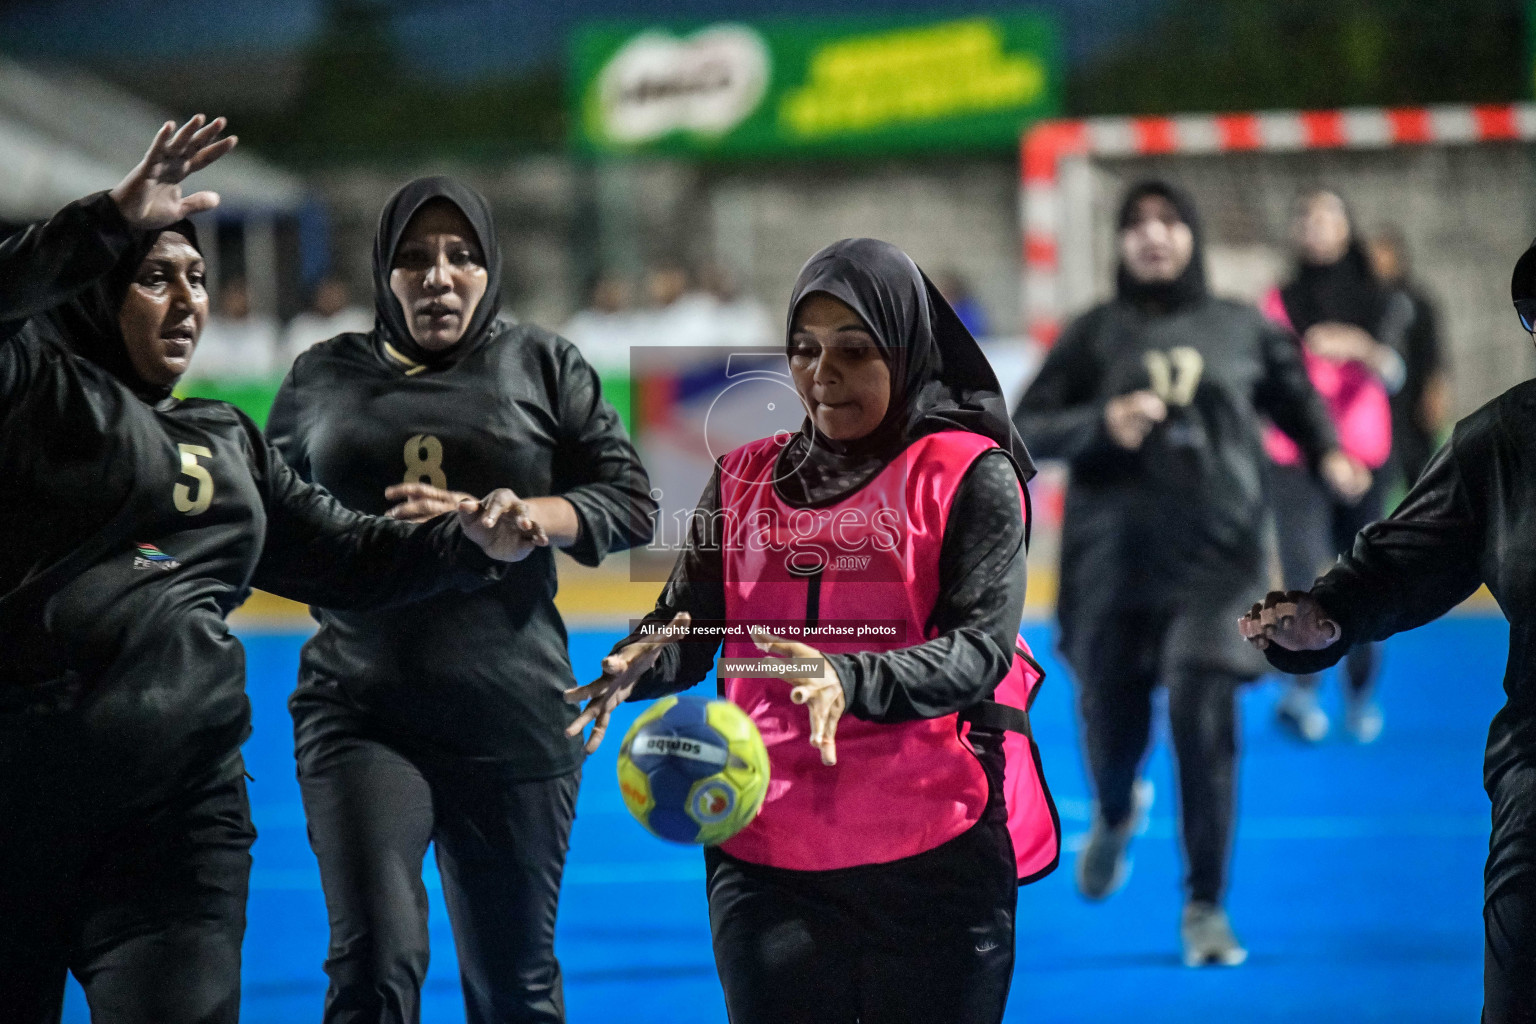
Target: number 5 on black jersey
x=188 y=501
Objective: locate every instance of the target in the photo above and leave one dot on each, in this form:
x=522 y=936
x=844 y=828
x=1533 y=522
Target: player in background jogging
x=1154 y=399
x=1349 y=328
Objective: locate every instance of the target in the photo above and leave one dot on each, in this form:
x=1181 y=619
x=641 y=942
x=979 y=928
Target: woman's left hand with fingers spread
x=150 y=196
x=822 y=695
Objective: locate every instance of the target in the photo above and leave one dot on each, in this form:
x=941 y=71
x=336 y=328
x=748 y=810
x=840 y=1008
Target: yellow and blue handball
x=693 y=770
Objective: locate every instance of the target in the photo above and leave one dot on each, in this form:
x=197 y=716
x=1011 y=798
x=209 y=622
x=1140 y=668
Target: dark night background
x=333 y=80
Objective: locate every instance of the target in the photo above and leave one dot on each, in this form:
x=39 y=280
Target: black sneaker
x=1208 y=938
x=1102 y=866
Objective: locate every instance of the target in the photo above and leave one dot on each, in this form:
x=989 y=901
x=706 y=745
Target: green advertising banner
x=844 y=86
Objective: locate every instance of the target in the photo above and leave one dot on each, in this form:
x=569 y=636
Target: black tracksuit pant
x=1313 y=528
x=1141 y=649
x=501 y=843
x=145 y=907
x=1509 y=907
x=921 y=940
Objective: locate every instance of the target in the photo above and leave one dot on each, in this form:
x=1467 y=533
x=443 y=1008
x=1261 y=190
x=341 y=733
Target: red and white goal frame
x=1048 y=147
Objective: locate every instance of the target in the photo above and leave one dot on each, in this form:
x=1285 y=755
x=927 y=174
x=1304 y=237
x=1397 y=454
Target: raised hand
x=822 y=694
x=150 y=196
x=1293 y=619
x=497 y=523
x=621 y=671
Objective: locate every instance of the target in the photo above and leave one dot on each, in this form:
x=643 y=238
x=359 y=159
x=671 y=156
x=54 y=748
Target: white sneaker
x=1207 y=936
x=1363 y=718
x=1299 y=714
x=1103 y=866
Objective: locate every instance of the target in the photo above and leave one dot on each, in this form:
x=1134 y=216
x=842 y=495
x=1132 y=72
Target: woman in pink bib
x=878 y=883
x=1341 y=314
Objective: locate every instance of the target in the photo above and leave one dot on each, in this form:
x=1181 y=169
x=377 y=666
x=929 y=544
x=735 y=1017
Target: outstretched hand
x=150 y=196
x=621 y=671
x=822 y=695
x=1292 y=619
x=494 y=523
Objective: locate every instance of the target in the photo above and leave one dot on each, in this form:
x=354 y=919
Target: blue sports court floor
x=1357 y=883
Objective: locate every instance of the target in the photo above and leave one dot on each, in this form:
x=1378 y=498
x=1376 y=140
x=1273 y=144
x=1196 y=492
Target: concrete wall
x=959 y=217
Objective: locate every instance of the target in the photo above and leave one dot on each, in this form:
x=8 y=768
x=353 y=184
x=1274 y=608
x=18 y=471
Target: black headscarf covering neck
x=1345 y=290
x=391 y=326
x=1189 y=288
x=940 y=379
x=88 y=323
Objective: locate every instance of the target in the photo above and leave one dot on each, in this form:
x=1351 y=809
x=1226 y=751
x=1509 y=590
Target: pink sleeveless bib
x=1356 y=399
x=868 y=562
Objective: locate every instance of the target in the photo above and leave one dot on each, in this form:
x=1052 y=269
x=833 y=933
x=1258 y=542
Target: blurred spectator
x=677 y=313
x=966 y=306
x=680 y=315
x=665 y=284
x=331 y=312
x=740 y=319
x=606 y=328
x=236 y=344
x=1420 y=409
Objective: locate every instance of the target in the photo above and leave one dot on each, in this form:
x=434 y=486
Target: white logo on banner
x=657 y=83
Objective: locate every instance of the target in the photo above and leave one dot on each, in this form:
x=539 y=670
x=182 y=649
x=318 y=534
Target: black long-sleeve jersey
x=1469 y=520
x=1184 y=514
x=980 y=602
x=180 y=508
x=467 y=675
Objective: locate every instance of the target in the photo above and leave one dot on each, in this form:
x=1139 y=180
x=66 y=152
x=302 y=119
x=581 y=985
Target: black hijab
x=1189 y=287
x=88 y=323
x=390 y=324
x=1346 y=290
x=940 y=380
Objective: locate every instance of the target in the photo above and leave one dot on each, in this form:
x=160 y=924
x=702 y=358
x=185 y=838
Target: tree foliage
x=360 y=101
x=1256 y=54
